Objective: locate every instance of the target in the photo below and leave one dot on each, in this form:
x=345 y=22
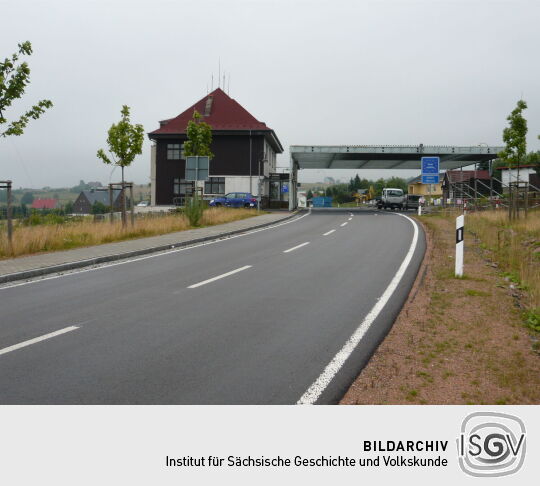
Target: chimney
x=208 y=107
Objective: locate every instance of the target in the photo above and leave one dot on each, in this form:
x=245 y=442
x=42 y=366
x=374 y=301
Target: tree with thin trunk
x=515 y=138
x=14 y=77
x=199 y=136
x=125 y=143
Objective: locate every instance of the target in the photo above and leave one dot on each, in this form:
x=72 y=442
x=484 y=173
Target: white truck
x=391 y=198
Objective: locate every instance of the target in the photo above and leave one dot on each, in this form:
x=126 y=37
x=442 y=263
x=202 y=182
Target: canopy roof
x=387 y=156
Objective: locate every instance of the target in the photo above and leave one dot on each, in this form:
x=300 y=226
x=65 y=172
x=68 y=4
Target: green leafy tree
x=99 y=208
x=125 y=143
x=199 y=136
x=515 y=136
x=398 y=183
x=68 y=207
x=28 y=198
x=14 y=77
x=309 y=194
x=357 y=183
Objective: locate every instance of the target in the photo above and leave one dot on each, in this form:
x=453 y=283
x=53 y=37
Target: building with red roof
x=45 y=204
x=244 y=151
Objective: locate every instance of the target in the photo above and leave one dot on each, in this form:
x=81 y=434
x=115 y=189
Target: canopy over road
x=382 y=157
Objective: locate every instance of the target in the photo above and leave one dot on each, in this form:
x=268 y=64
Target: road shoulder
x=456 y=341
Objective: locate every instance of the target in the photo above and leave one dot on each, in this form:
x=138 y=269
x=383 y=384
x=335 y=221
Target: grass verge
x=43 y=238
x=459 y=341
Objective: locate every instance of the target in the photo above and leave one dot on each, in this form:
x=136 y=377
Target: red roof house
x=244 y=151
x=45 y=204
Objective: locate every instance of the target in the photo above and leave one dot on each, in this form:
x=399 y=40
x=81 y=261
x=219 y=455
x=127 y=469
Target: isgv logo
x=491 y=444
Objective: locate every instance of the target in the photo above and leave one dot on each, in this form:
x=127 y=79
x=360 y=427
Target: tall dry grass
x=515 y=246
x=34 y=239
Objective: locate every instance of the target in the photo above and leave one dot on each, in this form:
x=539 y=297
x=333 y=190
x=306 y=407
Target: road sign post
x=430 y=172
x=460 y=220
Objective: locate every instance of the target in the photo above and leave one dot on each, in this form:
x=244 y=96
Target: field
x=54 y=237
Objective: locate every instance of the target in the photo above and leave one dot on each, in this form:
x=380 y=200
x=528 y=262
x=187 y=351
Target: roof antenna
x=219 y=72
x=212 y=89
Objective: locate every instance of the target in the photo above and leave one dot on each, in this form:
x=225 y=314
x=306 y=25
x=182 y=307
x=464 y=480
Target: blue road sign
x=430 y=179
x=430 y=170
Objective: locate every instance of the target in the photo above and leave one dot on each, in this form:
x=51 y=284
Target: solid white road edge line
x=344 y=224
x=136 y=259
x=315 y=390
x=329 y=232
x=296 y=247
x=37 y=340
x=223 y=275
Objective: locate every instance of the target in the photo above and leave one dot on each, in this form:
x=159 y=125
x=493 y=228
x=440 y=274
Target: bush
x=194 y=209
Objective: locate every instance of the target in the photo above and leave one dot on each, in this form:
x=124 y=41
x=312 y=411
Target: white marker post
x=460 y=221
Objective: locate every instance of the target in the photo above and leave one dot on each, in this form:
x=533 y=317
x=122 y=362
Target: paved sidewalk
x=43 y=263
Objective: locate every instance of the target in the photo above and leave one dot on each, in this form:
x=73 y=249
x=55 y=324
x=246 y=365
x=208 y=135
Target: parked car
x=235 y=200
x=143 y=204
x=412 y=201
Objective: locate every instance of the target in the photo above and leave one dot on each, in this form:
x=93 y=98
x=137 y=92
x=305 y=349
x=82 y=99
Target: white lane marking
x=329 y=232
x=351 y=215
x=223 y=275
x=316 y=389
x=344 y=224
x=296 y=247
x=155 y=255
x=349 y=219
x=37 y=340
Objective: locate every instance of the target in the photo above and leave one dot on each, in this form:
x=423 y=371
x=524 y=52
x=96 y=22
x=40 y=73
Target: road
x=276 y=316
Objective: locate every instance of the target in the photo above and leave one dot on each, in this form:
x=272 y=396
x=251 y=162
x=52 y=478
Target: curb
x=37 y=272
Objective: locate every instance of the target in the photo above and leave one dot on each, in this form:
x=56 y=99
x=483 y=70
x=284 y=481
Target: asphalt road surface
x=283 y=315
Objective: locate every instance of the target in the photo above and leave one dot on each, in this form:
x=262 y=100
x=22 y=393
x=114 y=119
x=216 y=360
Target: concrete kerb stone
x=38 y=272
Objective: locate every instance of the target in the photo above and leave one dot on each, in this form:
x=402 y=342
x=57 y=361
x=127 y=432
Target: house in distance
x=86 y=200
x=244 y=154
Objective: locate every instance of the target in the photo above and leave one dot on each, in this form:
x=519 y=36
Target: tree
x=515 y=136
x=14 y=77
x=199 y=136
x=99 y=208
x=309 y=194
x=28 y=198
x=68 y=207
x=125 y=143
x=357 y=183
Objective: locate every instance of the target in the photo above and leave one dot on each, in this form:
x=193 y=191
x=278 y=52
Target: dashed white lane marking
x=349 y=219
x=296 y=247
x=223 y=275
x=155 y=255
x=315 y=390
x=329 y=232
x=344 y=224
x=37 y=340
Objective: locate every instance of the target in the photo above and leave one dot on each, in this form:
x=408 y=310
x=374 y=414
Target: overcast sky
x=317 y=72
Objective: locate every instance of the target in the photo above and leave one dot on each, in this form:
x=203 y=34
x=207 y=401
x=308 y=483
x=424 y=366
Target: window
x=181 y=187
x=215 y=185
x=175 y=151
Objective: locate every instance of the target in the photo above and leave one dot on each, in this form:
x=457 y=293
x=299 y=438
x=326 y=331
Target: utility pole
x=9 y=214
x=111 y=203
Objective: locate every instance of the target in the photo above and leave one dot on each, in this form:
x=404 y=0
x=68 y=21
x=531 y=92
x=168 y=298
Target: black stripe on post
x=459 y=235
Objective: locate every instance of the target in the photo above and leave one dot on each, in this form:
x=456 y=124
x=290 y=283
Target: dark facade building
x=244 y=152
x=460 y=184
x=86 y=199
